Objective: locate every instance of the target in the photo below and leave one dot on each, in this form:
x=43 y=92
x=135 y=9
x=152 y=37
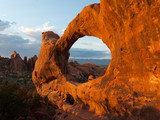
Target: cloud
x=89 y=42
x=37 y=32
x=9 y=43
x=79 y=53
x=5 y=24
x=94 y=43
x=4 y=15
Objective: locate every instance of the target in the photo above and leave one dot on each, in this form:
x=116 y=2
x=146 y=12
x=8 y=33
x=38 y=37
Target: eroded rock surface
x=131 y=85
x=81 y=72
x=31 y=63
x=17 y=65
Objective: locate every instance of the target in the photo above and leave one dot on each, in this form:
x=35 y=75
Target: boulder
x=90 y=77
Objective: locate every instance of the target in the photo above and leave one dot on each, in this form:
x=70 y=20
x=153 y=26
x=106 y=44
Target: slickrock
x=130 y=88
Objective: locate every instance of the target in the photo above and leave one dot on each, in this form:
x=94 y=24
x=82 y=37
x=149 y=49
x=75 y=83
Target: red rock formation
x=25 y=59
x=4 y=65
x=131 y=84
x=82 y=72
x=35 y=58
x=17 y=65
x=30 y=62
x=90 y=77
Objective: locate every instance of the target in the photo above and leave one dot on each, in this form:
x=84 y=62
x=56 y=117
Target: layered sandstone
x=131 y=85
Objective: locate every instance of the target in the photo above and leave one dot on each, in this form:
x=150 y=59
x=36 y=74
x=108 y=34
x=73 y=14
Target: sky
x=23 y=21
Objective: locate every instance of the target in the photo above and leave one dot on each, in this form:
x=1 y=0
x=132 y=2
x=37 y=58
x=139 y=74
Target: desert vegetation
x=16 y=102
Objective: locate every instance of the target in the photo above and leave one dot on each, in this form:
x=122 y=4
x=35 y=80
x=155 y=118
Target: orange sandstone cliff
x=130 y=88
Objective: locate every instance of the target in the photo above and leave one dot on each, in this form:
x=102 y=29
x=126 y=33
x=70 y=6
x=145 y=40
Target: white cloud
x=91 y=43
x=79 y=53
x=37 y=32
x=10 y=43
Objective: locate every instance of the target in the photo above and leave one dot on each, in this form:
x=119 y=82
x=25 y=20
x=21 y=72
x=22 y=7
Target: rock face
x=82 y=72
x=131 y=85
x=17 y=65
x=31 y=63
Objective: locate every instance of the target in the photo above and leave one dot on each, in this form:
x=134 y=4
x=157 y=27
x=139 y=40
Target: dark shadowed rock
x=25 y=59
x=35 y=58
x=31 y=63
x=41 y=116
x=4 y=65
x=17 y=65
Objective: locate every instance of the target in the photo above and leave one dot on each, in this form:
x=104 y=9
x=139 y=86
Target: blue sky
x=23 y=21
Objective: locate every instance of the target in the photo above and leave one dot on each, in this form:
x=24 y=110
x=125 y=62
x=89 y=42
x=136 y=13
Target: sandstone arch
x=131 y=30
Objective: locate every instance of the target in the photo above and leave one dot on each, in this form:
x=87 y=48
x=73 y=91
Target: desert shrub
x=16 y=102
x=14 y=76
x=35 y=101
x=82 y=79
x=12 y=102
x=51 y=111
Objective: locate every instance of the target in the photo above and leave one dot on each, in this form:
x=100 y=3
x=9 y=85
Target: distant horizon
x=70 y=58
x=90 y=58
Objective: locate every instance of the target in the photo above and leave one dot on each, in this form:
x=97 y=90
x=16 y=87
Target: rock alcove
x=131 y=30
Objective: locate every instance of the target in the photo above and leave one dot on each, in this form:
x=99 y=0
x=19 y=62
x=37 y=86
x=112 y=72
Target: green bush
x=81 y=79
x=16 y=102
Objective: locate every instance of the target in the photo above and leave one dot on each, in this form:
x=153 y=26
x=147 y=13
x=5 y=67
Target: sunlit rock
x=131 y=85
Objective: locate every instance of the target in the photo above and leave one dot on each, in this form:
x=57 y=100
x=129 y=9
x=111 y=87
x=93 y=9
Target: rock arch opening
x=133 y=30
x=89 y=59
